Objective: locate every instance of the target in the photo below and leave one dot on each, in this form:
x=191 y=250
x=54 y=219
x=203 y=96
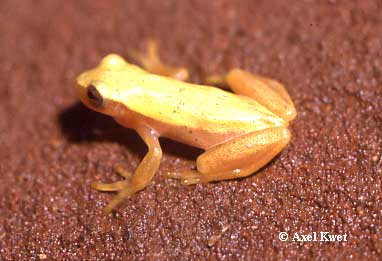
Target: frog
x=239 y=130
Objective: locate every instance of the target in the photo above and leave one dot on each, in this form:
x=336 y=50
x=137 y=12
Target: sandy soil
x=327 y=53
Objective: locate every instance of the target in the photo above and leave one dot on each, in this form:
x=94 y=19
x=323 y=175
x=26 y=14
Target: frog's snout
x=81 y=80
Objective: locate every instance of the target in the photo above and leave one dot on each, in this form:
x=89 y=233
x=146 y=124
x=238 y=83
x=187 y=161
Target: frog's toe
x=125 y=189
x=217 y=81
x=116 y=186
x=122 y=171
x=128 y=189
x=188 y=177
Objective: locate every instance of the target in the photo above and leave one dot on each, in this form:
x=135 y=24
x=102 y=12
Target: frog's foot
x=151 y=62
x=188 y=177
x=125 y=188
x=216 y=80
x=116 y=186
x=192 y=177
x=129 y=188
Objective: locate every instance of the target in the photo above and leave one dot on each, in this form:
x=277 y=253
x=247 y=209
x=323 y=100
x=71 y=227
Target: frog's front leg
x=238 y=157
x=151 y=62
x=142 y=175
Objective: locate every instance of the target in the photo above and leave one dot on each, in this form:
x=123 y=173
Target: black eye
x=94 y=96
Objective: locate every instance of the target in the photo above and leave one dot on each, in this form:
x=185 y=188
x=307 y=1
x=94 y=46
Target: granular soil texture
x=328 y=179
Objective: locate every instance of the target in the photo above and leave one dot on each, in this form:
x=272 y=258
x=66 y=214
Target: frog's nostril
x=95 y=98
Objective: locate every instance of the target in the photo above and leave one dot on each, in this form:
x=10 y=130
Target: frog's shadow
x=79 y=124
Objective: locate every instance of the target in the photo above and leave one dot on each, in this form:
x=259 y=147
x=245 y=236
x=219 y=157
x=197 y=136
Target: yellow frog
x=240 y=132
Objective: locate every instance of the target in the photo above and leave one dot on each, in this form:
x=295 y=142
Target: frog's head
x=99 y=88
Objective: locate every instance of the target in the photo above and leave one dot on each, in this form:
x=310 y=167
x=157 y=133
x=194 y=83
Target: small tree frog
x=240 y=131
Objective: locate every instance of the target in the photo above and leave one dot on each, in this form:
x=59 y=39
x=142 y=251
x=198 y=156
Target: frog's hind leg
x=265 y=91
x=236 y=158
x=151 y=62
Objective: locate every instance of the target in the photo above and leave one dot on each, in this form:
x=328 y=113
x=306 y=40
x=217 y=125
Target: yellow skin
x=240 y=132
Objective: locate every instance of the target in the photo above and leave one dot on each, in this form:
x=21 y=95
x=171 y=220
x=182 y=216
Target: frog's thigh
x=238 y=157
x=265 y=91
x=144 y=172
x=151 y=62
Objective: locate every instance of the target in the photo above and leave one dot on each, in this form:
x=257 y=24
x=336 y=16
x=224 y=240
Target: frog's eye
x=95 y=98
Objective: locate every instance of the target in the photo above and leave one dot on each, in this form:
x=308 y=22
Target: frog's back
x=195 y=106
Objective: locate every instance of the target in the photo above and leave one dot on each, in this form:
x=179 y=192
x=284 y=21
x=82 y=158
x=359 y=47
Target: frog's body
x=231 y=127
x=198 y=122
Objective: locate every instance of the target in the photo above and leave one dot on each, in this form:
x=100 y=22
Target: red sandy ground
x=327 y=53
